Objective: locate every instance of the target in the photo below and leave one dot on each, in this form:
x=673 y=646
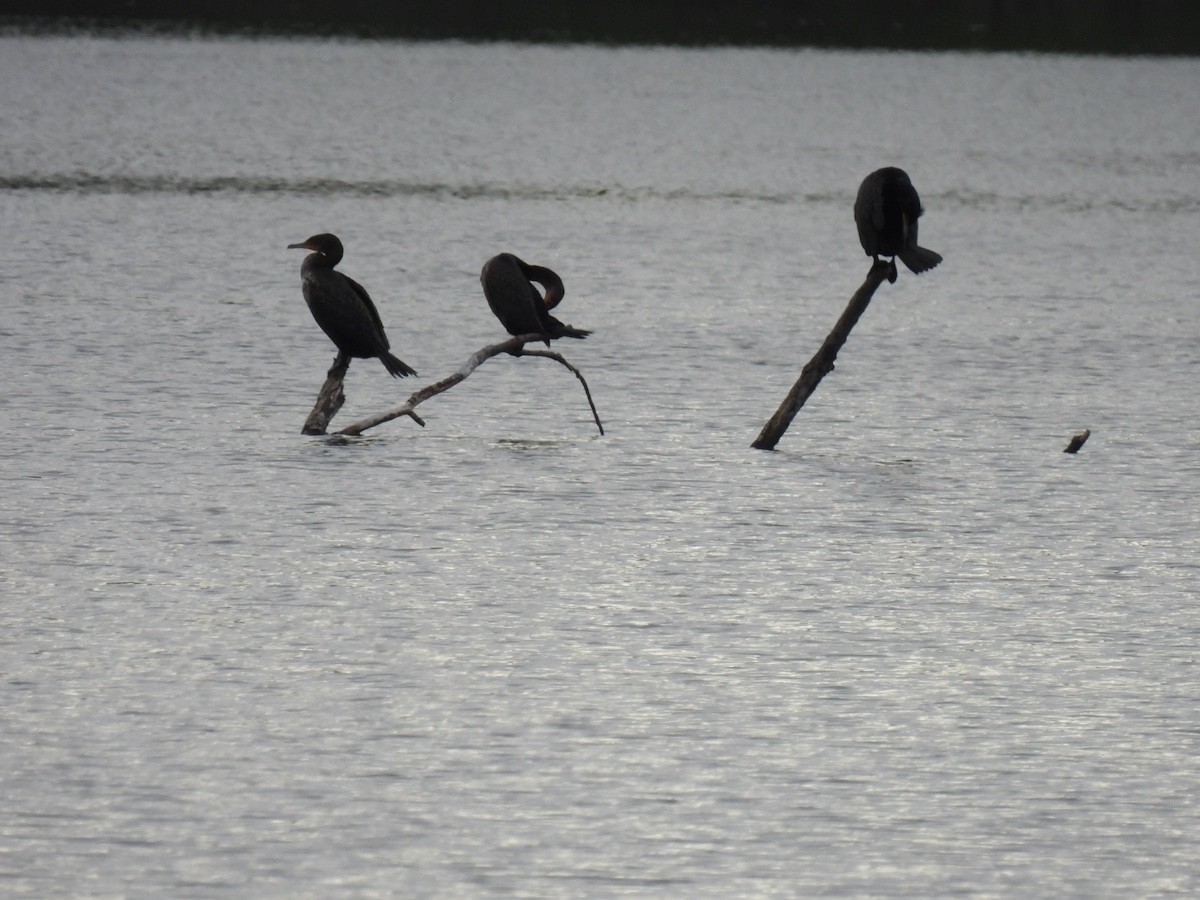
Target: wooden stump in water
x=822 y=363
x=330 y=399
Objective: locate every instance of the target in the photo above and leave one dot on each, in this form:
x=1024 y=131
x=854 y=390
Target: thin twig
x=550 y=354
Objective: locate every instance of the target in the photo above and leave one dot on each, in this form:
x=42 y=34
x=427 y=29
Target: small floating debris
x=1078 y=441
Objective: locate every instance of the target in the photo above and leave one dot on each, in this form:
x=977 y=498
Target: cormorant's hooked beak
x=305 y=246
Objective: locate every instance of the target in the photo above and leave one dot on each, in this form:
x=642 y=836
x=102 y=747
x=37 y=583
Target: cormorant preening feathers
x=886 y=213
x=520 y=307
x=342 y=306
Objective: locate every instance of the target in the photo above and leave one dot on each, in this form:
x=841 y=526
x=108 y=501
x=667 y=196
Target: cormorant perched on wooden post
x=886 y=213
x=521 y=309
x=342 y=306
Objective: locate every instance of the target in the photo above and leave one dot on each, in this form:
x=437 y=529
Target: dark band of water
x=88 y=183
x=91 y=183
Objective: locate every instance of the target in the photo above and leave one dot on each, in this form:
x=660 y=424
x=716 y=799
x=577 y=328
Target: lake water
x=917 y=651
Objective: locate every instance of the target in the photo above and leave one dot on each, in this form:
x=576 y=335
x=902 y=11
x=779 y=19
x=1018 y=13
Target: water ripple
x=93 y=183
x=96 y=183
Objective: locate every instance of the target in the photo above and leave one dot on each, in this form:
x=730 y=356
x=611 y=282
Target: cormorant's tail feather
x=558 y=329
x=919 y=259
x=396 y=368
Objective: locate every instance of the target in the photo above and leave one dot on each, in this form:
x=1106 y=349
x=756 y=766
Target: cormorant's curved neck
x=548 y=279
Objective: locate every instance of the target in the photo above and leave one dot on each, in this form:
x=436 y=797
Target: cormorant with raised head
x=520 y=307
x=886 y=213
x=342 y=306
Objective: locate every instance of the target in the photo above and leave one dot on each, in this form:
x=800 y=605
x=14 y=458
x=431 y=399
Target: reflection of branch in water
x=331 y=397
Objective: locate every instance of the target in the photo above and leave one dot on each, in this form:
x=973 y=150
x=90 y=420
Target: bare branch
x=822 y=363
x=550 y=354
x=514 y=345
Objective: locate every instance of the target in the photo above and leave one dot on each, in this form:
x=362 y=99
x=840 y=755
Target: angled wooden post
x=822 y=363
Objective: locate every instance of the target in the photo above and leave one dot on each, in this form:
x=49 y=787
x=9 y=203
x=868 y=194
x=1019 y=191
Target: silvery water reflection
x=917 y=651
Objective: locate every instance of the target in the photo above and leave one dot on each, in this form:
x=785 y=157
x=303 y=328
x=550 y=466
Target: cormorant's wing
x=868 y=213
x=367 y=302
x=910 y=210
x=877 y=217
x=541 y=309
x=365 y=298
x=540 y=312
x=510 y=295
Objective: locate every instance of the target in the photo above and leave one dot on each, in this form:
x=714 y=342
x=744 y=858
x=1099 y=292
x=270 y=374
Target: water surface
x=917 y=651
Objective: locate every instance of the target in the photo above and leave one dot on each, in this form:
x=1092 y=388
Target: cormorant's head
x=325 y=244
